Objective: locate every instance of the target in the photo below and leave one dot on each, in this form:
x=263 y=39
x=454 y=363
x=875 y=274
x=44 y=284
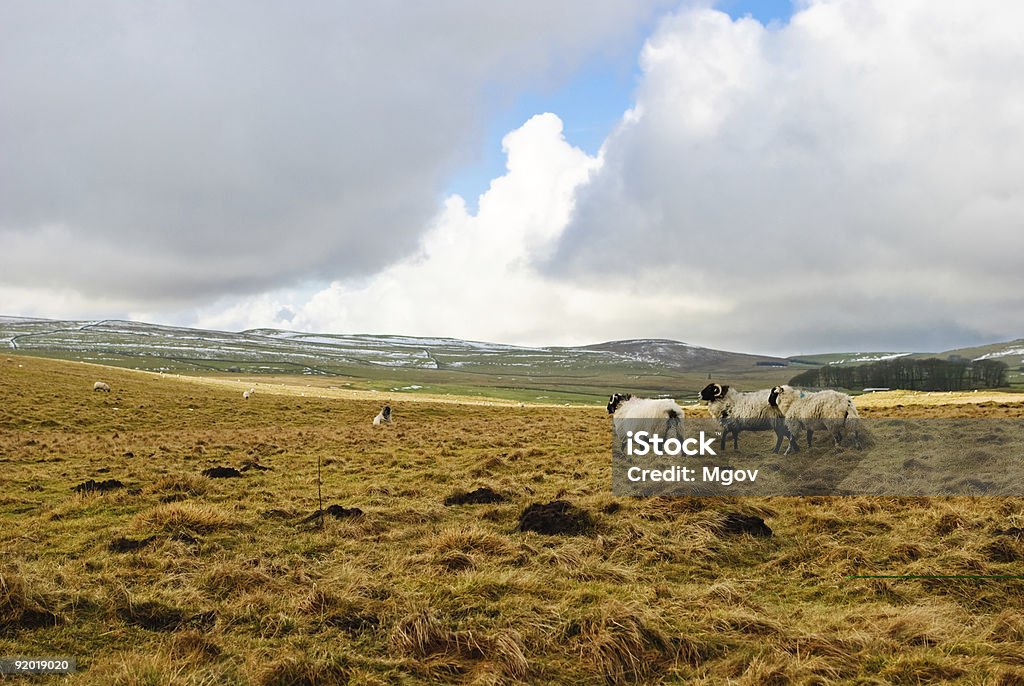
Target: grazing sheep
x=808 y=411
x=383 y=417
x=249 y=393
x=100 y=386
x=655 y=416
x=737 y=411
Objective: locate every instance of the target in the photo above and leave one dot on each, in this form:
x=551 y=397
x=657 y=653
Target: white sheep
x=249 y=393
x=809 y=411
x=100 y=386
x=737 y=411
x=383 y=417
x=656 y=416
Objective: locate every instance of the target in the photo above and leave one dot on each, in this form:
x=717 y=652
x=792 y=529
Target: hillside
x=418 y=365
x=401 y=364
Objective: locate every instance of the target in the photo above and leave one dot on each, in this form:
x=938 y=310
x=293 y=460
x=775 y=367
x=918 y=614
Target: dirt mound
x=127 y=545
x=1014 y=531
x=339 y=512
x=481 y=496
x=556 y=517
x=222 y=473
x=734 y=523
x=93 y=486
x=156 y=616
x=336 y=511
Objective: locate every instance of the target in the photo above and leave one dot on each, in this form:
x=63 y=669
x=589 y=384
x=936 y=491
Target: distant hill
x=1012 y=353
x=396 y=364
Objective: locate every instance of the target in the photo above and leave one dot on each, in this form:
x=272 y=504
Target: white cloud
x=850 y=179
x=474 y=275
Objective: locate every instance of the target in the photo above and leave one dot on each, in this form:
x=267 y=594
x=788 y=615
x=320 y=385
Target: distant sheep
x=809 y=411
x=249 y=393
x=656 y=416
x=383 y=417
x=100 y=386
x=737 y=411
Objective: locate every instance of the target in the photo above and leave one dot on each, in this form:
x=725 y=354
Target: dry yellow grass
x=885 y=399
x=176 y=578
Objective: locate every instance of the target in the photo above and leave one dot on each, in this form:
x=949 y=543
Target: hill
x=398 y=364
x=419 y=365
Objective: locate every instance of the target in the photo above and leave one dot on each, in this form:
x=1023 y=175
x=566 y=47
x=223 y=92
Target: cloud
x=846 y=180
x=169 y=154
x=474 y=275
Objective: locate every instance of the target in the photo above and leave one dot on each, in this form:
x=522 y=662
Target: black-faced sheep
x=809 y=411
x=663 y=417
x=100 y=386
x=249 y=393
x=383 y=417
x=737 y=411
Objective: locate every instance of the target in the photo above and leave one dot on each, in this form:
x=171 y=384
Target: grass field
x=177 y=578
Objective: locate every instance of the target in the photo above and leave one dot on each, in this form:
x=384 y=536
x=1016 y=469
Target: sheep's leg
x=810 y=435
x=793 y=429
x=794 y=444
x=723 y=438
x=736 y=439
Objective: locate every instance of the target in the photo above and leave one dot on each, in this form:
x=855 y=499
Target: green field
x=398 y=364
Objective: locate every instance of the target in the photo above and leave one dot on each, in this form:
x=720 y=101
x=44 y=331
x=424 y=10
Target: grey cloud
x=180 y=151
x=850 y=162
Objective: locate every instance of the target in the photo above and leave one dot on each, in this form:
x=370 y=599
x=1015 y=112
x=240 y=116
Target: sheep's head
x=615 y=400
x=386 y=412
x=713 y=391
x=773 y=396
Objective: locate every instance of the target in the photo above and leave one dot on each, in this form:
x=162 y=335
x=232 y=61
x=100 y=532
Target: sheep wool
x=737 y=411
x=663 y=417
x=383 y=417
x=810 y=411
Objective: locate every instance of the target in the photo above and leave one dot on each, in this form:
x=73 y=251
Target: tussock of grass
x=926 y=625
x=347 y=609
x=231 y=578
x=304 y=670
x=180 y=484
x=421 y=634
x=622 y=643
x=186 y=517
x=194 y=645
x=24 y=606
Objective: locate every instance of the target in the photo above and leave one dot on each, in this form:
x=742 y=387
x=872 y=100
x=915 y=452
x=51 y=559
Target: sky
x=755 y=176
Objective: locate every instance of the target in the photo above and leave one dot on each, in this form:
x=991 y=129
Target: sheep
x=383 y=417
x=249 y=393
x=737 y=411
x=661 y=417
x=831 y=411
x=100 y=386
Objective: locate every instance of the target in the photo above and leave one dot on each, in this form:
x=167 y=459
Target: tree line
x=907 y=374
